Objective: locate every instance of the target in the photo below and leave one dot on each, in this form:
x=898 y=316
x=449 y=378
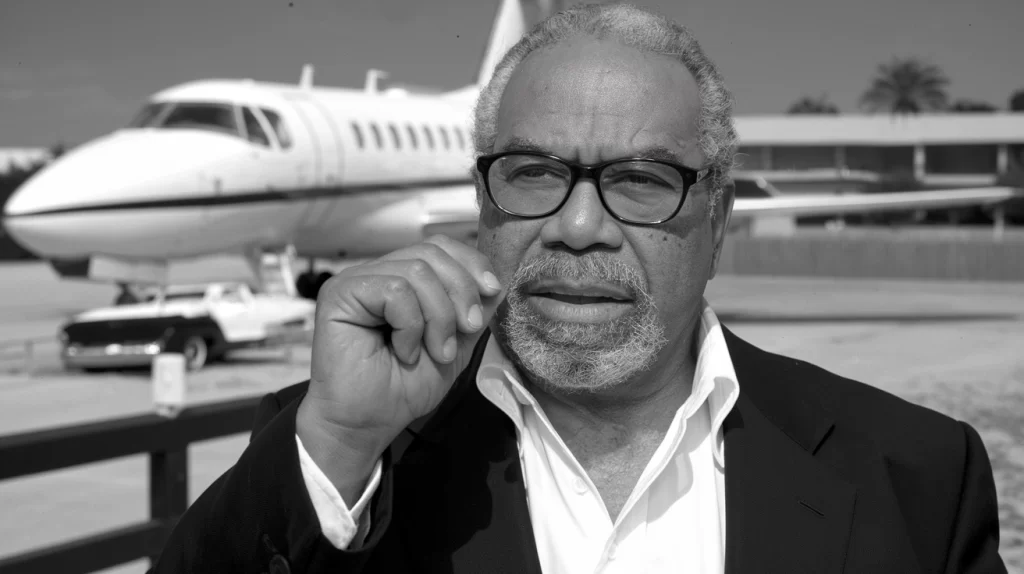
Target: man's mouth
x=579 y=293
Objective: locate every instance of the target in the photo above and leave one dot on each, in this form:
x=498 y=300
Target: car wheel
x=196 y=352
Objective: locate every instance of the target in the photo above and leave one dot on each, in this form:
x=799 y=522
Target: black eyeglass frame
x=577 y=171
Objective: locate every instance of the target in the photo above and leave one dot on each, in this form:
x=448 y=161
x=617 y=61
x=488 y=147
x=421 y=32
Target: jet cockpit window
x=253 y=130
x=284 y=137
x=412 y=136
x=149 y=114
x=218 y=117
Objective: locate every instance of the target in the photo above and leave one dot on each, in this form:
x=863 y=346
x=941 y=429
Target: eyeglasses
x=633 y=190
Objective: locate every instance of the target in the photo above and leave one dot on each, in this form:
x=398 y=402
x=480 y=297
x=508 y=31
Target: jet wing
x=744 y=207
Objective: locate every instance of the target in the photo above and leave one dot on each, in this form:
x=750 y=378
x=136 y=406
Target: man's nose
x=583 y=221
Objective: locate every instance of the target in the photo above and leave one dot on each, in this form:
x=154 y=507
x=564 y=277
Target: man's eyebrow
x=517 y=143
x=660 y=153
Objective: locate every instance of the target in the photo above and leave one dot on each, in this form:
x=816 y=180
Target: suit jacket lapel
x=465 y=482
x=785 y=510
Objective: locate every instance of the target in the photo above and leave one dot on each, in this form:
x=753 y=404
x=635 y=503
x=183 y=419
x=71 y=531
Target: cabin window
x=215 y=117
x=356 y=131
x=376 y=135
x=395 y=137
x=429 y=137
x=412 y=136
x=444 y=137
x=458 y=136
x=284 y=137
x=253 y=130
x=149 y=114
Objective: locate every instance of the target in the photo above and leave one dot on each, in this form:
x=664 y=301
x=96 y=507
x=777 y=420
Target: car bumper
x=112 y=355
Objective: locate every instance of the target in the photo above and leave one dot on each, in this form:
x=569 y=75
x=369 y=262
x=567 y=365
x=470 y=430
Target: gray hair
x=647 y=32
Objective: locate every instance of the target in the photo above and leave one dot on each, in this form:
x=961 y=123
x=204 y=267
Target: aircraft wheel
x=304 y=285
x=196 y=352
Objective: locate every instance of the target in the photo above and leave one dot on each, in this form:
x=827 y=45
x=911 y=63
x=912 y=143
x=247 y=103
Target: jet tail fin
x=509 y=26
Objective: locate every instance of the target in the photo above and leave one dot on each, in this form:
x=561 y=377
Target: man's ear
x=720 y=223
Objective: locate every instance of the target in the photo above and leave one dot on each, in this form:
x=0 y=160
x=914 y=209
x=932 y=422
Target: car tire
x=196 y=352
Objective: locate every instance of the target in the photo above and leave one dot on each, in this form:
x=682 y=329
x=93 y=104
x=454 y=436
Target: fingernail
x=491 y=281
x=449 y=348
x=475 y=318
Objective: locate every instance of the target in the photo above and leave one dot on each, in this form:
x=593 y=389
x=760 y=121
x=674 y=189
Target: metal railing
x=165 y=440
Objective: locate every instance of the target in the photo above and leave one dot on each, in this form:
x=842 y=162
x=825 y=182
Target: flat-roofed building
x=826 y=153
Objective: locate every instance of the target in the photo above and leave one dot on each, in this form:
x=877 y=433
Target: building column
x=840 y=159
x=919 y=162
x=1002 y=159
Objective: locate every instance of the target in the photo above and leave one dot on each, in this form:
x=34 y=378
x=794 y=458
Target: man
x=606 y=421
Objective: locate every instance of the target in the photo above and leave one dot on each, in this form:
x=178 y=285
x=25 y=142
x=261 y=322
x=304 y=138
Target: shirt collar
x=714 y=378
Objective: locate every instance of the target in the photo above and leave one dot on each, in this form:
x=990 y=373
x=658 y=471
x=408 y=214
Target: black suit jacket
x=822 y=474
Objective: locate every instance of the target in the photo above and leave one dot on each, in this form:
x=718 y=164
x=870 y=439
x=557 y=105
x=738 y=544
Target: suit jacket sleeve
x=974 y=547
x=258 y=517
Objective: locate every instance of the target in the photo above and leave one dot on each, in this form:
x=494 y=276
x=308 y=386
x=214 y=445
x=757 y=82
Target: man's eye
x=532 y=173
x=639 y=179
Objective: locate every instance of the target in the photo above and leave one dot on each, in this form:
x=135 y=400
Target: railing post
x=168 y=489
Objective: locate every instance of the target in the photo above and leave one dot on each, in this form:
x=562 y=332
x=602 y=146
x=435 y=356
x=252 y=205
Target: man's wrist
x=347 y=458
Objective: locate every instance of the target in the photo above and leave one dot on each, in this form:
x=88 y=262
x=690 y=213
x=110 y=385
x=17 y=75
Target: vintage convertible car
x=200 y=321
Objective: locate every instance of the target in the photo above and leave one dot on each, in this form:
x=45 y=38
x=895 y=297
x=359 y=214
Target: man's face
x=592 y=301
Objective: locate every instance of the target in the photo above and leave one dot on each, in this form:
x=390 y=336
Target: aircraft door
x=325 y=141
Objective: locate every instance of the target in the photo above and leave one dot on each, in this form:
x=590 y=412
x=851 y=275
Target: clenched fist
x=390 y=338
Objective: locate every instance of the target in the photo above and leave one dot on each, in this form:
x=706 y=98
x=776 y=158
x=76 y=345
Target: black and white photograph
x=511 y=286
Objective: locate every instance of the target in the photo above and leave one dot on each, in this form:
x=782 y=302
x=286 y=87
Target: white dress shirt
x=674 y=520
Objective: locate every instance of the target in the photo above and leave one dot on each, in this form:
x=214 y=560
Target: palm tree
x=1017 y=101
x=810 y=105
x=906 y=86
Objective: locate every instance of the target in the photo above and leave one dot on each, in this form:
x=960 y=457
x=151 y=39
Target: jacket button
x=278 y=565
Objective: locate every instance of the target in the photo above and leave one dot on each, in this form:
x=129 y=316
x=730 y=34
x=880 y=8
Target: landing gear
x=308 y=283
x=125 y=296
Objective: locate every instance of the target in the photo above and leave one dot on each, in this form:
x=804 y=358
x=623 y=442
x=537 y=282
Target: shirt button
x=579 y=485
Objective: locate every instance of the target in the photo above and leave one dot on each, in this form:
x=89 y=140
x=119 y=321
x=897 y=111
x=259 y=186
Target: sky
x=71 y=70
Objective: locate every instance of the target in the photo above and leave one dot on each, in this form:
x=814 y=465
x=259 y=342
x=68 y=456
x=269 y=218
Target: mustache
x=589 y=267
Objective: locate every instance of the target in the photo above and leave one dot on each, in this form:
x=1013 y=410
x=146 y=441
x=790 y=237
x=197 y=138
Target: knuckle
x=397 y=286
x=419 y=268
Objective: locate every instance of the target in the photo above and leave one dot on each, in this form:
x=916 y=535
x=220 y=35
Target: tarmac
x=951 y=346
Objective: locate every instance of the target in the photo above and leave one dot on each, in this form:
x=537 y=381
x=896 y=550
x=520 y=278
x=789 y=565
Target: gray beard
x=569 y=357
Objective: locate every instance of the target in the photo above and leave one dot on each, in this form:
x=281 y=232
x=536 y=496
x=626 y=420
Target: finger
x=373 y=301
x=478 y=265
x=463 y=290
x=438 y=310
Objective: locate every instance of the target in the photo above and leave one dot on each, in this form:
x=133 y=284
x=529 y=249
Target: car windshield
x=184 y=294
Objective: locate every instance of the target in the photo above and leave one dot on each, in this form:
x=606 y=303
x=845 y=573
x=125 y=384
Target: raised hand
x=390 y=338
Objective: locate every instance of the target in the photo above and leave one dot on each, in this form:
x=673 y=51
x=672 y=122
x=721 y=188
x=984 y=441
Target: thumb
x=468 y=341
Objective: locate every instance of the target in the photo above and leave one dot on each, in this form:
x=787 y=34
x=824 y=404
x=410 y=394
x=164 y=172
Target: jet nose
x=88 y=201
